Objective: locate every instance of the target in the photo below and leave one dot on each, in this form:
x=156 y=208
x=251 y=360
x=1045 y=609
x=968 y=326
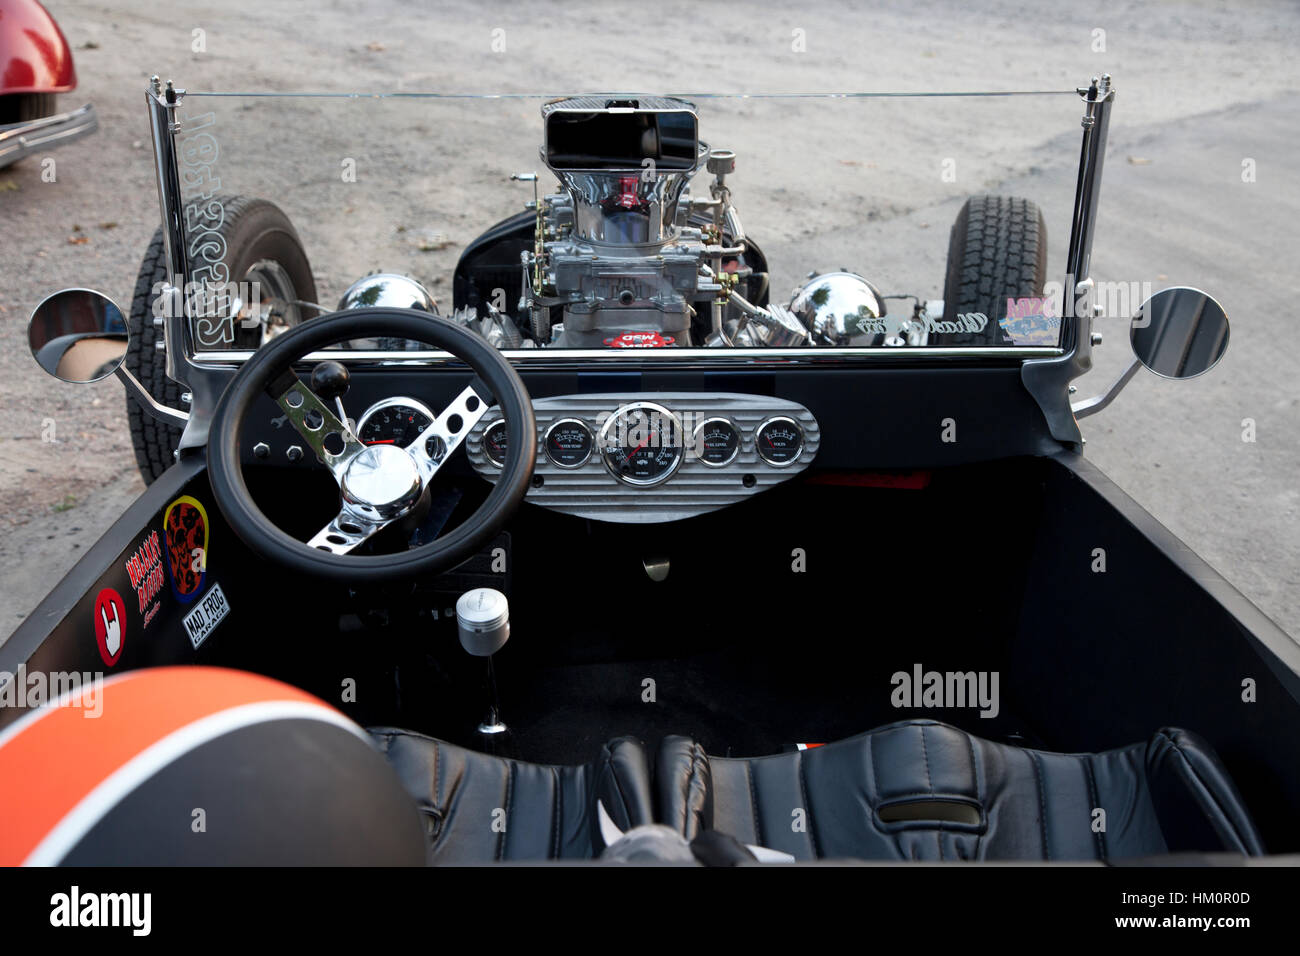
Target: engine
x=623 y=256
x=617 y=250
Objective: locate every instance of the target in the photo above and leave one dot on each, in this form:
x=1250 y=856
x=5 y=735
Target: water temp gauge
x=568 y=443
x=779 y=441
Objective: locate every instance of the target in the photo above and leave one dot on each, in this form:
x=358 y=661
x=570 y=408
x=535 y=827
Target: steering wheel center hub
x=382 y=480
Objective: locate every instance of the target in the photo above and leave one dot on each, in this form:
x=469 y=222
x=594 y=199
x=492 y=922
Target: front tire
x=261 y=245
x=25 y=107
x=997 y=250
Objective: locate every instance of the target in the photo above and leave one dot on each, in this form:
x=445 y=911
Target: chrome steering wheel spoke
x=378 y=483
x=320 y=428
x=346 y=530
x=437 y=442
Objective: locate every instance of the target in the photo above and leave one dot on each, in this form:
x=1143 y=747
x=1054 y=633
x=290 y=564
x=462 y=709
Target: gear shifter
x=483 y=620
x=329 y=380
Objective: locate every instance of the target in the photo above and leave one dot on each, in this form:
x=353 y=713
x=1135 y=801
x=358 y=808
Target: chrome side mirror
x=1178 y=333
x=78 y=336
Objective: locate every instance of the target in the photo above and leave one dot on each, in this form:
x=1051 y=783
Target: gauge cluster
x=624 y=458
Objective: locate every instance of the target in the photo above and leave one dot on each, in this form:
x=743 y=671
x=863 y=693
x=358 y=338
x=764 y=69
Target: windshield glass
x=602 y=221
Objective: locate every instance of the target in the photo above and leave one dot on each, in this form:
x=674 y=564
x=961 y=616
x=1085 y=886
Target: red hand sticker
x=110 y=625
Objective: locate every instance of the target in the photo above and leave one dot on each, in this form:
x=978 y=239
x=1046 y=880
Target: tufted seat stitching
x=753 y=802
x=501 y=837
x=980 y=796
x=1042 y=803
x=810 y=819
x=1094 y=802
x=557 y=805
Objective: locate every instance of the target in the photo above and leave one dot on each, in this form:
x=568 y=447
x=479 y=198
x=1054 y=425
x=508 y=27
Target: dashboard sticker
x=185 y=524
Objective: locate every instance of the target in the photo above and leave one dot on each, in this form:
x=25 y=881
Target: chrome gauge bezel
x=379 y=406
x=570 y=422
x=783 y=420
x=695 y=441
x=488 y=454
x=612 y=420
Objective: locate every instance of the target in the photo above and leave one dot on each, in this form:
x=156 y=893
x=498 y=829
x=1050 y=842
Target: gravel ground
x=1202 y=87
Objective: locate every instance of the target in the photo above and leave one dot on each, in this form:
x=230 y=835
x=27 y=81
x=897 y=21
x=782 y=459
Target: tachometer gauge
x=394 y=421
x=779 y=441
x=495 y=443
x=716 y=442
x=642 y=444
x=568 y=443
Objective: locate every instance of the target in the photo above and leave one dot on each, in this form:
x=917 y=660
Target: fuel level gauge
x=717 y=442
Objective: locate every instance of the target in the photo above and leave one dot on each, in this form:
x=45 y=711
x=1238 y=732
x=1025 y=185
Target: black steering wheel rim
x=279 y=355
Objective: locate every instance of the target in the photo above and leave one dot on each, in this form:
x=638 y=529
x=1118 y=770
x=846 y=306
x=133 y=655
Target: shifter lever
x=483 y=620
x=330 y=380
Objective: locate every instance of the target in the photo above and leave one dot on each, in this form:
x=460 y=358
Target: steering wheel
x=378 y=484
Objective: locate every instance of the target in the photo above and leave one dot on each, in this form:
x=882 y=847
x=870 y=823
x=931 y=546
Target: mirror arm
x=161 y=413
x=1091 y=406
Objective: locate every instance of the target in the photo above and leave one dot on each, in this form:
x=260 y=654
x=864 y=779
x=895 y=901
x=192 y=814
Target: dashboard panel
x=638 y=458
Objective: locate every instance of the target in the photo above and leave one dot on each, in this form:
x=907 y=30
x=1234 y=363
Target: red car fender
x=34 y=55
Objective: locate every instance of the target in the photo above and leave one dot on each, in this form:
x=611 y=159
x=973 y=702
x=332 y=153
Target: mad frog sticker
x=185 y=523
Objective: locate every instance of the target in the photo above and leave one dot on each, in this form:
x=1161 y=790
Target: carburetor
x=614 y=250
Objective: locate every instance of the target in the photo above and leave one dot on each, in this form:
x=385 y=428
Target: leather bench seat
x=478 y=808
x=923 y=790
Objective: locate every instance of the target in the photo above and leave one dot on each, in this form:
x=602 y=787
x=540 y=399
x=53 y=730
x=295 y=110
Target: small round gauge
x=717 y=442
x=642 y=444
x=779 y=441
x=394 y=421
x=495 y=443
x=568 y=443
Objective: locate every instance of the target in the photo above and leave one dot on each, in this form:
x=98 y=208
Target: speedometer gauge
x=642 y=444
x=394 y=421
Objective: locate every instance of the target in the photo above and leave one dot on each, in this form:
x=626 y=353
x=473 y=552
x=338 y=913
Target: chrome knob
x=483 y=620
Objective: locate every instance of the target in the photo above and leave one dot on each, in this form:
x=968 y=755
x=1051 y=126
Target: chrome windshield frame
x=1046 y=370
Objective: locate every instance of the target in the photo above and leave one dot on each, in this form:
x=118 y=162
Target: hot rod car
x=625 y=557
x=37 y=68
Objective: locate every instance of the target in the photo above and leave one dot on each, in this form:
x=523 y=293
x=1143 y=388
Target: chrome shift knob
x=483 y=620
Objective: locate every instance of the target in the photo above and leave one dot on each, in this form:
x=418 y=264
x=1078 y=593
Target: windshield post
x=1048 y=380
x=1095 y=122
x=163 y=125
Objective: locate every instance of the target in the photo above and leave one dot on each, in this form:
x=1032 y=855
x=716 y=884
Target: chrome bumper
x=22 y=139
